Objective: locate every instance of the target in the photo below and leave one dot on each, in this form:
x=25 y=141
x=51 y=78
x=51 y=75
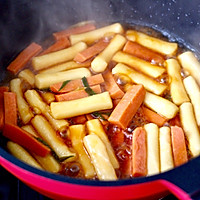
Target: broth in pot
x=103 y=103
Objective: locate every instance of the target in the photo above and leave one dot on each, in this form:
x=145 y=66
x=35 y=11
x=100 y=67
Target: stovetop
x=13 y=189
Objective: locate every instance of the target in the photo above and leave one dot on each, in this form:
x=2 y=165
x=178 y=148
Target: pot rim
x=86 y=182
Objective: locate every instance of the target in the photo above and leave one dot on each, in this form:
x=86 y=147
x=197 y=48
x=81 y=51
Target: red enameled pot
x=24 y=21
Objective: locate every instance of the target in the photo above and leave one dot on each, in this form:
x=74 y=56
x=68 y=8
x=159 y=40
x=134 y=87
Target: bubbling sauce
x=120 y=140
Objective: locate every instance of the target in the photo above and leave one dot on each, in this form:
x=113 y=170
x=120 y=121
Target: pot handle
x=175 y=190
x=184 y=181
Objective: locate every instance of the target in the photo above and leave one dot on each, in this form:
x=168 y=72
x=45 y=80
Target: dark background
x=33 y=20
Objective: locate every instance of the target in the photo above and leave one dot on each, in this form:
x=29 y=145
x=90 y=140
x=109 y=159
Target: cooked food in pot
x=103 y=103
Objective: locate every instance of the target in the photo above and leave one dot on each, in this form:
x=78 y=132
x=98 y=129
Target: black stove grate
x=13 y=189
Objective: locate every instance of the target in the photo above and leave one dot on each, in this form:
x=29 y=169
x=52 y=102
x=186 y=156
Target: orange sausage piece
x=74 y=30
x=143 y=52
x=10 y=108
x=112 y=87
x=75 y=84
x=128 y=106
x=178 y=146
x=77 y=94
x=139 y=152
x=23 y=58
x=153 y=117
x=89 y=117
x=91 y=51
x=2 y=90
x=81 y=119
x=25 y=139
x=58 y=45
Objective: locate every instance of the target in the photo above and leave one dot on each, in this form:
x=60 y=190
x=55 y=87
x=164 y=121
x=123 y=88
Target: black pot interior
x=22 y=22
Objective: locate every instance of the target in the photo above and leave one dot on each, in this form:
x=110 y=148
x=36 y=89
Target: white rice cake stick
x=23 y=107
x=81 y=106
x=100 y=158
x=191 y=64
x=153 y=160
x=94 y=127
x=177 y=89
x=139 y=64
x=130 y=35
x=158 y=45
x=138 y=78
x=100 y=63
x=43 y=81
x=92 y=36
x=64 y=55
x=193 y=91
x=57 y=124
x=166 y=157
x=28 y=76
x=30 y=129
x=36 y=102
x=48 y=162
x=77 y=133
x=48 y=134
x=190 y=128
x=47 y=96
x=64 y=66
x=160 y=105
x=23 y=155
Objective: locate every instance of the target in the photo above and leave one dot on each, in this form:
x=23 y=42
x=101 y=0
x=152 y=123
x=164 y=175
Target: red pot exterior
x=63 y=190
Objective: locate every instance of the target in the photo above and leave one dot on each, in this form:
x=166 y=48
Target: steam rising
x=25 y=21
